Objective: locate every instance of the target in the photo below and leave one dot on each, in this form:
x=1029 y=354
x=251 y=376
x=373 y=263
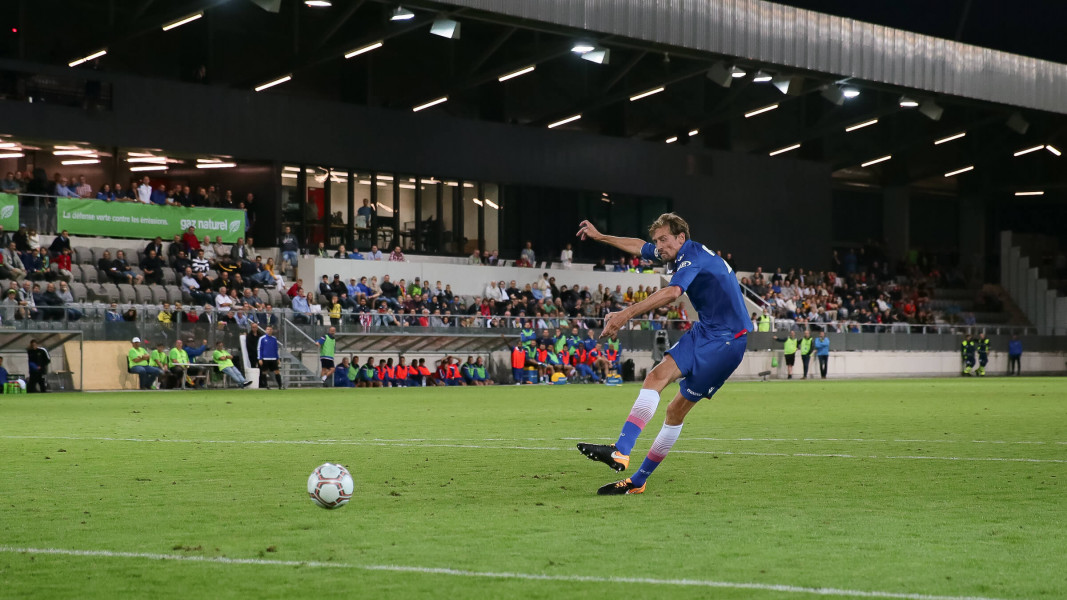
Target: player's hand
x=613 y=322
x=588 y=230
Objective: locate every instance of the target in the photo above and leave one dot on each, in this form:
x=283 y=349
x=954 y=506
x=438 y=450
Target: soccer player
x=983 y=353
x=326 y=344
x=267 y=351
x=704 y=357
x=967 y=350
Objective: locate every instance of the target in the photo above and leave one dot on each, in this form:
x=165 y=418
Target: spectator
x=290 y=248
x=567 y=257
x=152 y=266
x=144 y=191
x=224 y=360
x=61 y=242
x=200 y=263
x=297 y=289
x=223 y=303
x=220 y=251
x=122 y=267
x=138 y=362
x=365 y=214
x=9 y=185
x=83 y=189
x=192 y=244
x=822 y=352
x=63 y=265
x=239 y=253
x=397 y=255
x=62 y=189
x=475 y=258
x=494 y=258
x=302 y=309
x=1015 y=355
x=528 y=256
x=38 y=361
x=314 y=309
x=374 y=254
x=322 y=252
x=181 y=368
x=13 y=263
x=50 y=304
x=160 y=359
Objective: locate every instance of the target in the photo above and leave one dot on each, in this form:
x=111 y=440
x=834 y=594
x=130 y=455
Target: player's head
x=668 y=233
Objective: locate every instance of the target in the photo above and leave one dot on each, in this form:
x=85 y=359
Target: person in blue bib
x=702 y=360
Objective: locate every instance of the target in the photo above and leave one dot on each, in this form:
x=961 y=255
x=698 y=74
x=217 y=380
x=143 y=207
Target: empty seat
x=98 y=253
x=170 y=277
x=174 y=294
x=275 y=297
x=159 y=294
x=127 y=294
x=143 y=293
x=89 y=274
x=79 y=291
x=107 y=292
x=263 y=296
x=82 y=254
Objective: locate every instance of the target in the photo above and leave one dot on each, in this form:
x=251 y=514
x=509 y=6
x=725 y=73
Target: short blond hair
x=676 y=224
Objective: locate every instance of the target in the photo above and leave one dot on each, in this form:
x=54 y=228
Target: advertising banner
x=136 y=220
x=9 y=212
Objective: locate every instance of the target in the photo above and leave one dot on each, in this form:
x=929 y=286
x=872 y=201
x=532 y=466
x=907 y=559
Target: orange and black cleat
x=619 y=488
x=607 y=454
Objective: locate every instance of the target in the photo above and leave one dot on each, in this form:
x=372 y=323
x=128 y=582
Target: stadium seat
x=98 y=253
x=143 y=293
x=107 y=292
x=174 y=293
x=127 y=295
x=79 y=291
x=275 y=297
x=261 y=293
x=170 y=277
x=82 y=255
x=158 y=294
x=89 y=274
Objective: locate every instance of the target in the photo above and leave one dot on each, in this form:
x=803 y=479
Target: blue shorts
x=706 y=361
x=518 y=375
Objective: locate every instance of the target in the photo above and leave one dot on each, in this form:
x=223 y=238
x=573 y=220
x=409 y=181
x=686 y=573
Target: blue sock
x=647 y=466
x=627 y=438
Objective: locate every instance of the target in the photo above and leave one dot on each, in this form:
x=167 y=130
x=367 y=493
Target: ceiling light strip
x=365 y=49
x=430 y=103
x=1034 y=193
x=861 y=125
x=514 y=74
x=87 y=58
x=959 y=171
x=760 y=111
x=271 y=84
x=647 y=94
x=783 y=150
x=180 y=22
x=950 y=138
x=564 y=121
x=877 y=160
x=1029 y=150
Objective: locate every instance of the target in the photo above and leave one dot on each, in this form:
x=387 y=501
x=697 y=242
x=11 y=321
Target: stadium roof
x=845 y=93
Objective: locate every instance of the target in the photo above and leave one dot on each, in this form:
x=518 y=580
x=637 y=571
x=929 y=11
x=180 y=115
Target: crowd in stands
x=860 y=294
x=502 y=305
x=139 y=190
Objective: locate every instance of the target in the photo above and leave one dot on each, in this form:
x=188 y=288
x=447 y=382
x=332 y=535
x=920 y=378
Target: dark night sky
x=1028 y=27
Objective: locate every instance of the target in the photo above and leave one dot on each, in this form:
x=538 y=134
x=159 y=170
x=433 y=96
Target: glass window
x=472 y=204
x=430 y=226
x=406 y=186
x=385 y=213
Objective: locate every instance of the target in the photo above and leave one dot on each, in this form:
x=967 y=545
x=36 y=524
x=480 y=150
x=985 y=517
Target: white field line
x=792 y=589
x=428 y=444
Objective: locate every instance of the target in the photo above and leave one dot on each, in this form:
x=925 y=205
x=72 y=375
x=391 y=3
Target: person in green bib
x=137 y=362
x=326 y=345
x=764 y=322
x=790 y=349
x=806 y=351
x=179 y=359
x=224 y=360
x=480 y=374
x=160 y=359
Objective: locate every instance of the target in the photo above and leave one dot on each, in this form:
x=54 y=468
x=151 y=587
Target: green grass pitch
x=896 y=489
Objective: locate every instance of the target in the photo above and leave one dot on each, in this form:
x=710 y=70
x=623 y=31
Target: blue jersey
x=711 y=285
x=268 y=348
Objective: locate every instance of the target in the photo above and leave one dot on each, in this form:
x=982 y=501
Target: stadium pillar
x=895 y=218
x=350 y=231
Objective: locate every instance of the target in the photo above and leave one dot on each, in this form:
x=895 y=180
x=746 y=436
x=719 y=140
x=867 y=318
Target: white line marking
x=424 y=444
x=494 y=575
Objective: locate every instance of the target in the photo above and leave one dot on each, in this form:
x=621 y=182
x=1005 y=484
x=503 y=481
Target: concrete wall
x=465 y=279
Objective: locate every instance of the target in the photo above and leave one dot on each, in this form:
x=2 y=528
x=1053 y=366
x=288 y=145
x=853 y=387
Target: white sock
x=644 y=407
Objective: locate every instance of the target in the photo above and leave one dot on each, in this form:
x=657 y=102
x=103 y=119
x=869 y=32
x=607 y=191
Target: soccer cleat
x=246 y=384
x=607 y=454
x=619 y=488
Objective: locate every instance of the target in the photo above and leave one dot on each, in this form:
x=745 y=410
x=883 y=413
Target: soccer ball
x=330 y=486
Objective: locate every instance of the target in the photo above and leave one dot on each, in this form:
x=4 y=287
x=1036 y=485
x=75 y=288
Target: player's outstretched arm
x=630 y=245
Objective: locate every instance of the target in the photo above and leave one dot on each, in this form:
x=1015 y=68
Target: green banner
x=9 y=212
x=136 y=220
